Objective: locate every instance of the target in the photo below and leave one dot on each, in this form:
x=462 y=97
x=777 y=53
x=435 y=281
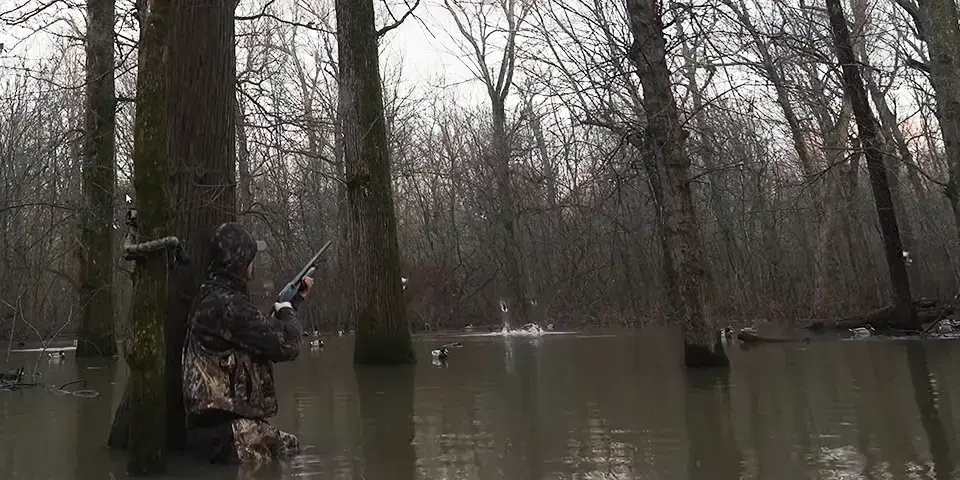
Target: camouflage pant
x=257 y=441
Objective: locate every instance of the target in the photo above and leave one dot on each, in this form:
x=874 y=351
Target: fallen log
x=884 y=317
x=748 y=337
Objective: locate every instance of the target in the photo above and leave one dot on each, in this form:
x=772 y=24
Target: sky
x=424 y=44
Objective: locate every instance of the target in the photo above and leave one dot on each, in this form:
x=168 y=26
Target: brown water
x=557 y=407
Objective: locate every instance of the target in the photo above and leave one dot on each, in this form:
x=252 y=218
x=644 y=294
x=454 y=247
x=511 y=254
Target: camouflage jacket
x=230 y=346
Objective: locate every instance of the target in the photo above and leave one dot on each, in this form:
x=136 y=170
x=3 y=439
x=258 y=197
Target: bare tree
x=665 y=138
x=512 y=284
x=936 y=22
x=869 y=128
x=96 y=336
x=383 y=333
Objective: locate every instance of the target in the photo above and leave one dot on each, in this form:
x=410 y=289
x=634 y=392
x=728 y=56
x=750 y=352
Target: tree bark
x=97 y=336
x=667 y=137
x=869 y=130
x=201 y=77
x=383 y=334
x=144 y=405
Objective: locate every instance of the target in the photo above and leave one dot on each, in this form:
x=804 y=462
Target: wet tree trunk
x=202 y=146
x=383 y=334
x=664 y=130
x=869 y=130
x=97 y=336
x=144 y=343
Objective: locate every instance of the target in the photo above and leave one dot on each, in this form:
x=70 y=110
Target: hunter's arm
x=275 y=337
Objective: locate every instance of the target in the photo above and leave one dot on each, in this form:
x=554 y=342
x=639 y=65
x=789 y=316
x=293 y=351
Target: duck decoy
x=440 y=354
x=57 y=356
x=862 y=331
x=316 y=343
x=726 y=335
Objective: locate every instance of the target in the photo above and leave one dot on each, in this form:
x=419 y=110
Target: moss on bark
x=140 y=424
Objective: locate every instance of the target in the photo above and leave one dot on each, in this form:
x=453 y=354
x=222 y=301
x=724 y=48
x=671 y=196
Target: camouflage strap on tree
x=138 y=251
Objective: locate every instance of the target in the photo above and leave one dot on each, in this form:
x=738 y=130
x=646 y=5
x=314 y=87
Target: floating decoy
x=862 y=331
x=56 y=356
x=440 y=354
x=726 y=335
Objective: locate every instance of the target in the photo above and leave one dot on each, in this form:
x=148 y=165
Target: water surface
x=612 y=405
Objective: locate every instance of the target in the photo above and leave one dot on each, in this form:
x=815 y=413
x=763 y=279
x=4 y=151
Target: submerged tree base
x=379 y=349
x=699 y=356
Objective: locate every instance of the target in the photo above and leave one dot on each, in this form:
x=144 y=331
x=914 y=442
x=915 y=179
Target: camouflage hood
x=232 y=249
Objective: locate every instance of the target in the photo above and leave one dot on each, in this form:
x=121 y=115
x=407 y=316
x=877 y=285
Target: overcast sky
x=429 y=54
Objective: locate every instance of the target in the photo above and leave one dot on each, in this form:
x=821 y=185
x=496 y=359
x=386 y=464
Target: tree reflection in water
x=386 y=415
x=712 y=451
x=926 y=398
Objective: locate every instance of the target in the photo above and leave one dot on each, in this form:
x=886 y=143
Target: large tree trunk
x=383 y=334
x=667 y=137
x=202 y=76
x=97 y=335
x=869 y=130
x=201 y=134
x=144 y=405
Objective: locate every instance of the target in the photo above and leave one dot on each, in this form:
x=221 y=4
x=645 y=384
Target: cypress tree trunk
x=202 y=146
x=144 y=403
x=200 y=78
x=97 y=336
x=869 y=129
x=383 y=334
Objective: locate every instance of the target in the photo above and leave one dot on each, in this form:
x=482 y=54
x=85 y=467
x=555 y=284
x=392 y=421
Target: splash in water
x=528 y=330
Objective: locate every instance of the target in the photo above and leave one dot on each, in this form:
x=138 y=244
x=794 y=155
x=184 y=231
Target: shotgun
x=290 y=291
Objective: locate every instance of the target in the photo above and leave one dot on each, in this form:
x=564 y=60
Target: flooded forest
x=524 y=162
x=541 y=179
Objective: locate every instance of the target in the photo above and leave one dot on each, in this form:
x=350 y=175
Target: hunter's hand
x=306 y=286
